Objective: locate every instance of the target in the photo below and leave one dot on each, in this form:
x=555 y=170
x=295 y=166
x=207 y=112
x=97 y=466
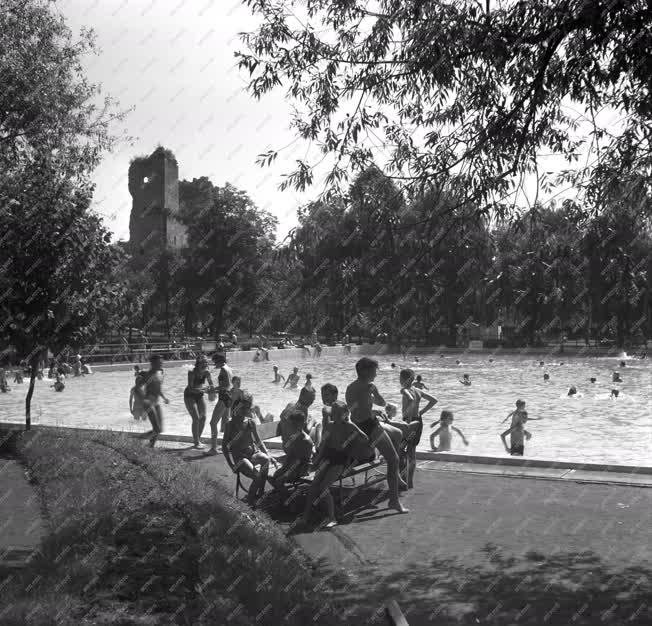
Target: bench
x=267 y=431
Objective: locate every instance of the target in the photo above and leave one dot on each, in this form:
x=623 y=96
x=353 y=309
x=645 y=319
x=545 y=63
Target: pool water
x=591 y=427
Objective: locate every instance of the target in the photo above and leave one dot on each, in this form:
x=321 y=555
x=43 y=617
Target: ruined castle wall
x=154 y=187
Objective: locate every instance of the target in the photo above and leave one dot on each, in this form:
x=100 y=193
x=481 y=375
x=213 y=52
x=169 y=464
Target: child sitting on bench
x=335 y=455
x=243 y=449
x=298 y=452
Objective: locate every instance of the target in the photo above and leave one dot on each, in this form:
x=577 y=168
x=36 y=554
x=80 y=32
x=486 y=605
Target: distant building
x=154 y=225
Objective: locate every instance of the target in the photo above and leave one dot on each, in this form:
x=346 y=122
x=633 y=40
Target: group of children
x=348 y=434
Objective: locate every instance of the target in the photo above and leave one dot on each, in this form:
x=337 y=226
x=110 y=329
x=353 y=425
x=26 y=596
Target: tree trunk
x=34 y=361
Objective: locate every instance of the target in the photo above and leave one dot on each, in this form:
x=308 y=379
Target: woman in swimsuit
x=193 y=397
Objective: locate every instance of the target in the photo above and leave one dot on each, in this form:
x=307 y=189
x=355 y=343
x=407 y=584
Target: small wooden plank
x=395 y=615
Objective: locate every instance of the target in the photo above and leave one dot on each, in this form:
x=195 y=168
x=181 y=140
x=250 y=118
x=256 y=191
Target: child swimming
x=418 y=383
x=444 y=433
x=466 y=380
x=277 y=377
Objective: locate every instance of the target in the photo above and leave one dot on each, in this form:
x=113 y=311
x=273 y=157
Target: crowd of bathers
x=57 y=371
x=352 y=430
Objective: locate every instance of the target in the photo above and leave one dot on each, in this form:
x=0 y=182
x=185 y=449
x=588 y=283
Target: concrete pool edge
x=238 y=357
x=459 y=461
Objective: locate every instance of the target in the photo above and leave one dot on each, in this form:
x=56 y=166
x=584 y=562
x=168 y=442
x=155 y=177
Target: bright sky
x=173 y=61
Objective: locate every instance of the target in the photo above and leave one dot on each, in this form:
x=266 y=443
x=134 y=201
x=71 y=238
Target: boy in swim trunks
x=243 y=449
x=444 y=432
x=518 y=435
x=411 y=414
x=515 y=415
x=361 y=395
x=223 y=406
x=298 y=452
x=335 y=454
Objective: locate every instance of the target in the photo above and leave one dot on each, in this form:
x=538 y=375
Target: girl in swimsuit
x=243 y=448
x=411 y=414
x=199 y=382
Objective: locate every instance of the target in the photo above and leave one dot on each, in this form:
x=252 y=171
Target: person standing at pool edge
x=153 y=394
x=193 y=397
x=221 y=410
x=361 y=395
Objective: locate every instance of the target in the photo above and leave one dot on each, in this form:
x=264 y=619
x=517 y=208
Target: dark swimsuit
x=192 y=392
x=336 y=457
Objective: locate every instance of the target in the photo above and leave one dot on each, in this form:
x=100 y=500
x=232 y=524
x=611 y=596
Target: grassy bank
x=139 y=537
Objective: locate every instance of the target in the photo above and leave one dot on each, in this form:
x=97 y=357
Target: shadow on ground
x=565 y=588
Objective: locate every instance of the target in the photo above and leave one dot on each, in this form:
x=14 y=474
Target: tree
x=465 y=89
x=229 y=243
x=56 y=253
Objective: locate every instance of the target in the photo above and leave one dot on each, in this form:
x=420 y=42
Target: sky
x=173 y=61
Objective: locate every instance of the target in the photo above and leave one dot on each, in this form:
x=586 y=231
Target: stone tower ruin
x=154 y=225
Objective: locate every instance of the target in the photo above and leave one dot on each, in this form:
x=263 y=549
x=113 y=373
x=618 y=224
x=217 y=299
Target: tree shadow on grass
x=570 y=588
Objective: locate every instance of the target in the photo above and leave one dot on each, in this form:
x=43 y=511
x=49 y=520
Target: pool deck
x=512 y=467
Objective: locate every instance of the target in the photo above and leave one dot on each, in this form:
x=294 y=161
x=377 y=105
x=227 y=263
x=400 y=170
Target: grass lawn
x=138 y=537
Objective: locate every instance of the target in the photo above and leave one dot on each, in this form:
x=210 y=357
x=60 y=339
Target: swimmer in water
x=541 y=363
x=418 y=383
x=592 y=379
x=466 y=380
x=292 y=379
x=444 y=432
x=623 y=364
x=491 y=360
x=517 y=414
x=277 y=377
x=616 y=378
x=416 y=359
x=614 y=393
x=572 y=391
x=546 y=377
x=393 y=365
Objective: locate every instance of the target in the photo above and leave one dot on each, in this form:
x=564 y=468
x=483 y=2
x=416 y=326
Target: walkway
x=21 y=522
x=472 y=527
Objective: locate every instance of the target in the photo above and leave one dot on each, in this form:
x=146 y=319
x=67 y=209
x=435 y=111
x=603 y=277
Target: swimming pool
x=588 y=428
